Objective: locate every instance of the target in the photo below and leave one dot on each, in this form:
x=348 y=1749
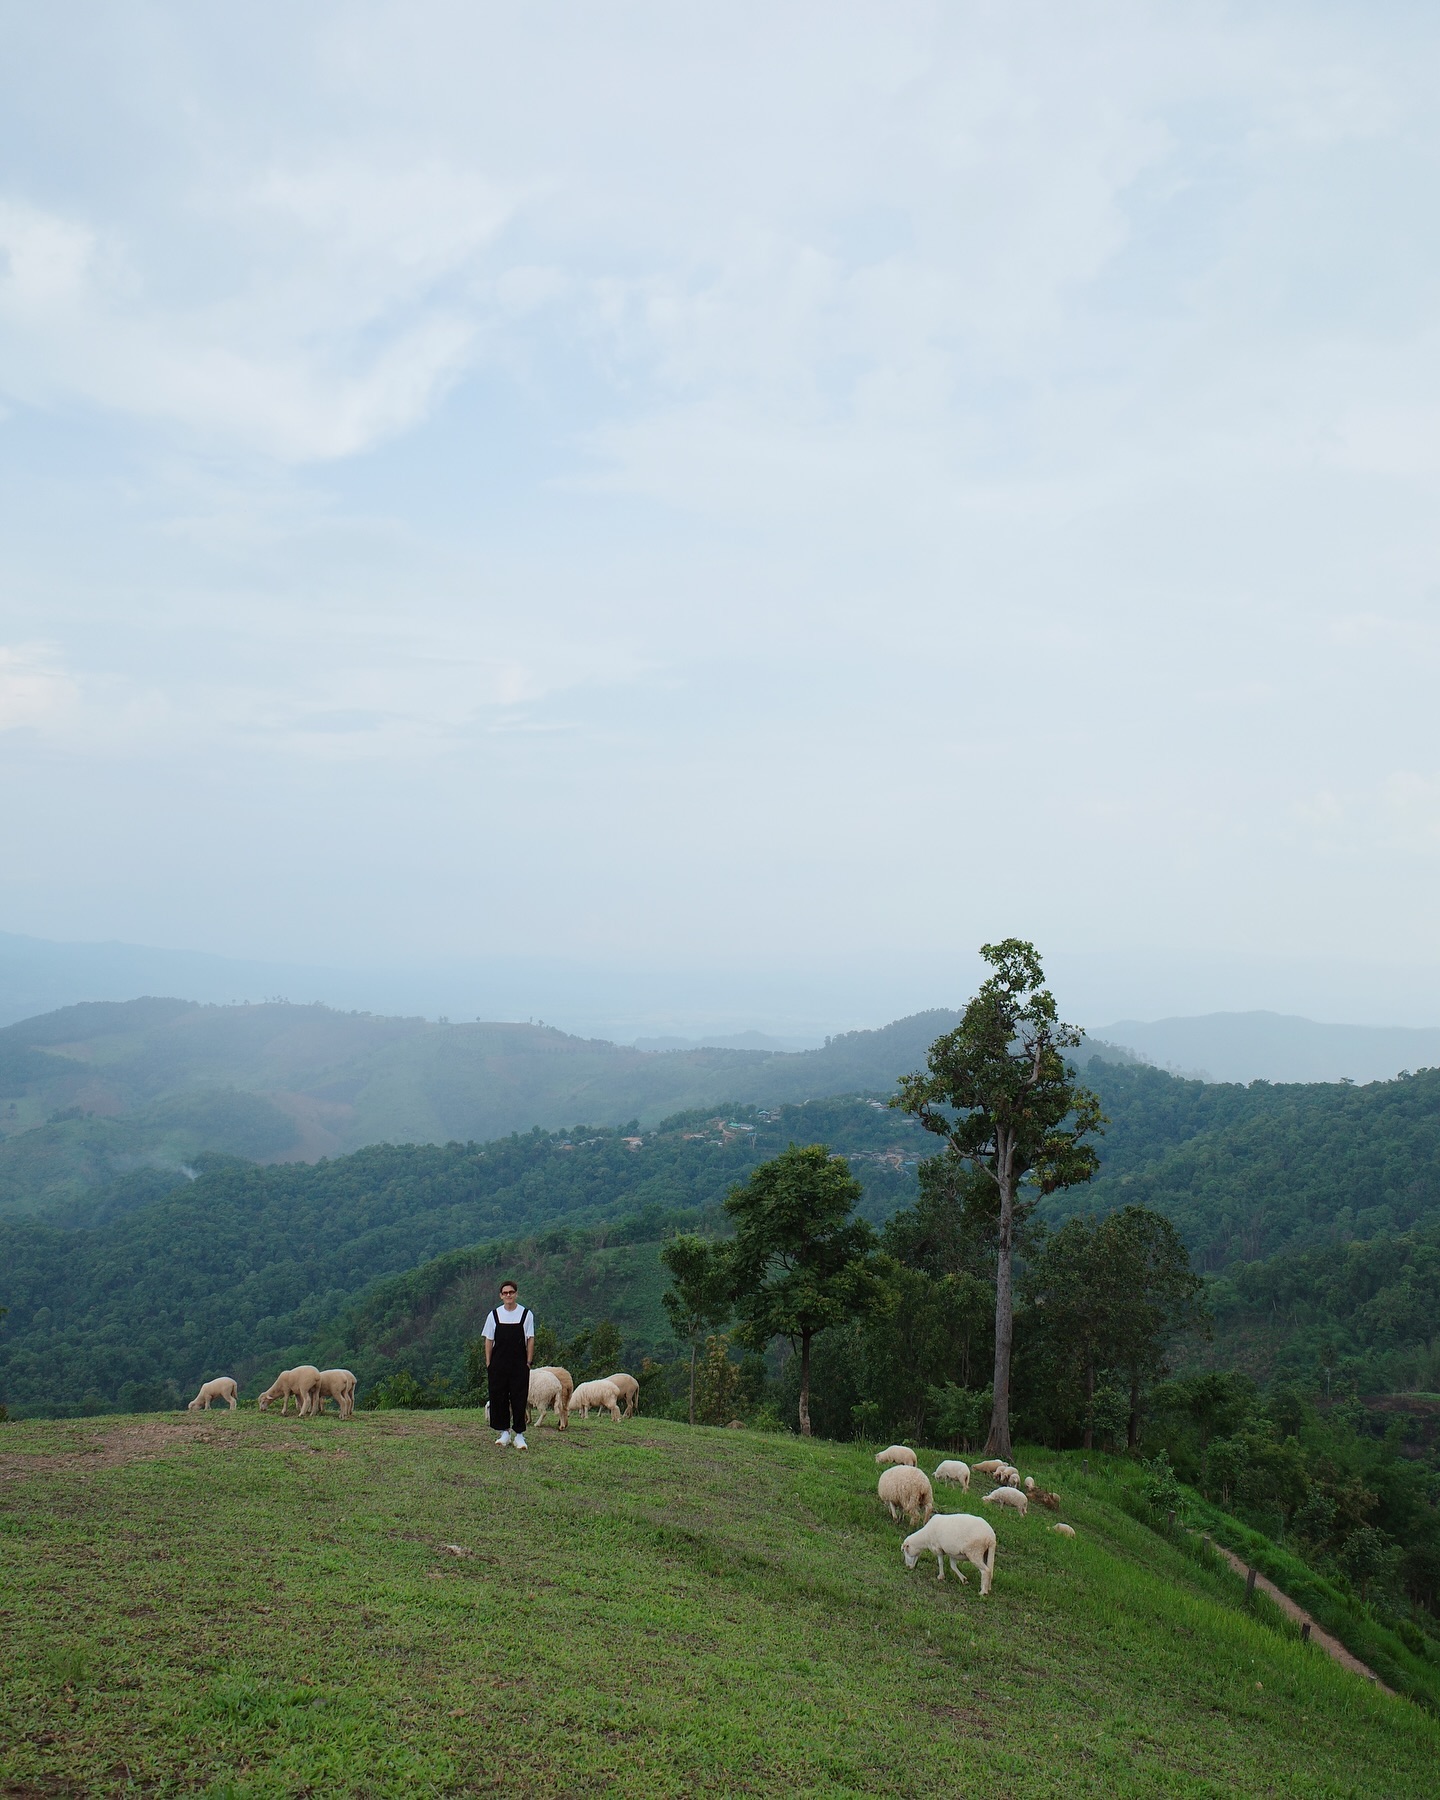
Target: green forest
x=161 y=1278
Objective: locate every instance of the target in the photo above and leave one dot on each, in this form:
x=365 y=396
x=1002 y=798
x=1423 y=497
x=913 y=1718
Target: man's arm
x=530 y=1352
x=489 y=1346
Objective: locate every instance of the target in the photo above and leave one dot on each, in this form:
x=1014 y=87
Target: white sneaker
x=520 y=1443
x=503 y=1439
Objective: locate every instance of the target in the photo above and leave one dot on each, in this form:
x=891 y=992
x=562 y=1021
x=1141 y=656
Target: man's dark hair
x=509 y=1284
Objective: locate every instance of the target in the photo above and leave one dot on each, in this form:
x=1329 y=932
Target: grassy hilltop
x=242 y=1605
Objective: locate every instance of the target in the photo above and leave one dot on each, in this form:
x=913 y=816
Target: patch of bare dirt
x=117 y=1444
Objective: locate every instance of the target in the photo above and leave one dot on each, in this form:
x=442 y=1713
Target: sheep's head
x=194 y=1406
x=911 y=1556
x=264 y=1402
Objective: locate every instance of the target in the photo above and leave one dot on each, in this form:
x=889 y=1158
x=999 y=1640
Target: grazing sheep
x=906 y=1490
x=629 y=1389
x=298 y=1384
x=1043 y=1497
x=901 y=1455
x=1008 y=1496
x=1007 y=1475
x=337 y=1385
x=954 y=1471
x=221 y=1388
x=989 y=1466
x=566 y=1380
x=547 y=1392
x=596 y=1394
x=954 y=1535
x=1064 y=1530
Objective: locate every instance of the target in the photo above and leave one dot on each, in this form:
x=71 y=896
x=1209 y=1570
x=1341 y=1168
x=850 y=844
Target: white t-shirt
x=510 y=1315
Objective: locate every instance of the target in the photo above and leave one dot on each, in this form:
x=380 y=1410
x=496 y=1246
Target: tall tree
x=700 y=1298
x=1109 y=1295
x=800 y=1262
x=1075 y=1304
x=1157 y=1296
x=998 y=1090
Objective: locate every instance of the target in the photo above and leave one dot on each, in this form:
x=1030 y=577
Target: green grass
x=243 y=1605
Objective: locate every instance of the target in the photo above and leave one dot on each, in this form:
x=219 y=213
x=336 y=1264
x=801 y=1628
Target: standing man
x=509 y=1351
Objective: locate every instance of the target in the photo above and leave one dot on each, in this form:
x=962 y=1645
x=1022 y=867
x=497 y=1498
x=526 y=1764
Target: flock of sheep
x=904 y=1486
x=905 y=1489
x=551 y=1390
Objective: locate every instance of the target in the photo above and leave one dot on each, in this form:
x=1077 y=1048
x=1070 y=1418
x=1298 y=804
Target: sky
x=790 y=490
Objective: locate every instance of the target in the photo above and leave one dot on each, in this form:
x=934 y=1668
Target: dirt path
x=1318 y=1634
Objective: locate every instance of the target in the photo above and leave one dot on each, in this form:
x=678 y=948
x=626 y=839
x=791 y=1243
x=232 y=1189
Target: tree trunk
x=1089 y=1402
x=805 y=1384
x=998 y=1443
x=692 y=1381
x=1132 y=1430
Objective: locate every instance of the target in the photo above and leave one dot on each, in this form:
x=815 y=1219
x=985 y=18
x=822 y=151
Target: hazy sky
x=725 y=483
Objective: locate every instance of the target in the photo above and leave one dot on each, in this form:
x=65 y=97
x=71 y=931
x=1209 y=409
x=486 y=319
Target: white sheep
x=337 y=1385
x=1064 y=1530
x=1008 y=1496
x=906 y=1490
x=298 y=1384
x=900 y=1455
x=547 y=1392
x=954 y=1535
x=989 y=1466
x=1007 y=1475
x=221 y=1388
x=629 y=1390
x=954 y=1471
x=596 y=1394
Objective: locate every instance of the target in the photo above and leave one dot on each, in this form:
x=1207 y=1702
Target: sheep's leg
x=955 y=1569
x=940 y=1558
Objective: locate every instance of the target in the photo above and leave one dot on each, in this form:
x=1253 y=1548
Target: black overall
x=509 y=1374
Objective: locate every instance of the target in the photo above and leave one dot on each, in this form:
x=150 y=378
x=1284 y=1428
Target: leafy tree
x=998 y=1090
x=1367 y=1556
x=1075 y=1300
x=718 y=1384
x=700 y=1297
x=1155 y=1295
x=1212 y=1404
x=800 y=1262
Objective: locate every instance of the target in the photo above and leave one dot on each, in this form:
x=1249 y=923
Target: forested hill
x=1247 y=1171
x=159 y=1281
x=94 y=1089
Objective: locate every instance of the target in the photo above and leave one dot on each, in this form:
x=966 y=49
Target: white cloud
x=35 y=691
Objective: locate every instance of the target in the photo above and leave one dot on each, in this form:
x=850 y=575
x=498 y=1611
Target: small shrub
x=1162 y=1490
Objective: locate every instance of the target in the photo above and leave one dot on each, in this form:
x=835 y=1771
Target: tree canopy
x=800 y=1260
x=1000 y=1093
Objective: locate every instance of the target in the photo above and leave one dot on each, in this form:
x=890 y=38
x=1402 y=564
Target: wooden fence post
x=1249 y=1582
x=1305 y=1632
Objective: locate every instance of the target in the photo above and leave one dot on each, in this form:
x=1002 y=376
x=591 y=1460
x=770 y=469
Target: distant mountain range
x=90 y=1091
x=1267 y=1046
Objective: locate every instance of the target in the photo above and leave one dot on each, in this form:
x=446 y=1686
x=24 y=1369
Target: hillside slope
x=1247 y=1171
x=641 y=1609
